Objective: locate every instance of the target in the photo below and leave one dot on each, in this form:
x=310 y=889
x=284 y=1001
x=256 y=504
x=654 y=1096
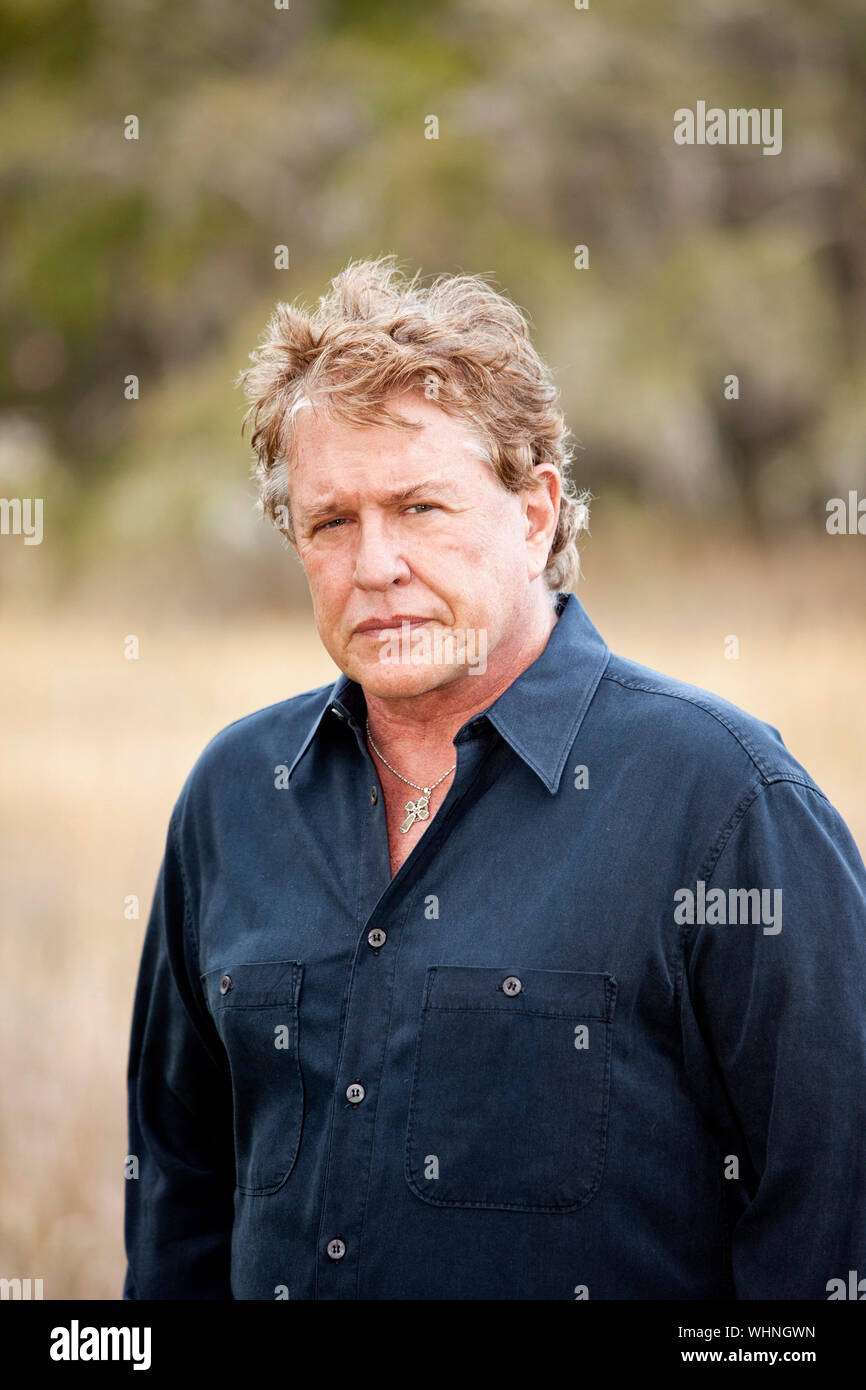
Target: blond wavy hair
x=377 y=333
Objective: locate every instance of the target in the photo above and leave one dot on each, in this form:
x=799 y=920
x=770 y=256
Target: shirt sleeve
x=774 y=1032
x=180 y=1165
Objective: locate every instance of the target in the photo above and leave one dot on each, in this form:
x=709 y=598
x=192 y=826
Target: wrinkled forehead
x=323 y=446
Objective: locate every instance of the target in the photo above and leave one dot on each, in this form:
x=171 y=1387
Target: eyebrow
x=430 y=485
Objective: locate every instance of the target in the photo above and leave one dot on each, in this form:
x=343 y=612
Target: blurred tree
x=306 y=127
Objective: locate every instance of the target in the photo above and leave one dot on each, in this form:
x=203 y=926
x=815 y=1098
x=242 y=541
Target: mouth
x=375 y=627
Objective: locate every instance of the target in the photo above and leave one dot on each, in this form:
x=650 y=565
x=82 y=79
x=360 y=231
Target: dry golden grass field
x=96 y=748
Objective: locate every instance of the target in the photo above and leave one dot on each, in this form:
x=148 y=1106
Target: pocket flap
x=563 y=993
x=252 y=985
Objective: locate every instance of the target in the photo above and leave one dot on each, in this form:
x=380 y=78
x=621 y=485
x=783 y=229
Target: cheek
x=487 y=544
x=324 y=570
x=326 y=592
x=465 y=544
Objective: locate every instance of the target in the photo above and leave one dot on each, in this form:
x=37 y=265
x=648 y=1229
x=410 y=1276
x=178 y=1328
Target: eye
x=339 y=520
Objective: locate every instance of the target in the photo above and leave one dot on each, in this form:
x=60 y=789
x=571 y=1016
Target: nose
x=379 y=559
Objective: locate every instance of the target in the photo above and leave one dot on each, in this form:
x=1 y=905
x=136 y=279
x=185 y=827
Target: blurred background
x=156 y=258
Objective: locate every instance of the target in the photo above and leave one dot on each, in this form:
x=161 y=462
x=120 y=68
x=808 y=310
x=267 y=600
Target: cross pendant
x=416 y=810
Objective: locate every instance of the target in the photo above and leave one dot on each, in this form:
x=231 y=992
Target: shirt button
x=355 y=1093
x=377 y=937
x=374 y=795
x=336 y=1249
x=512 y=985
x=225 y=984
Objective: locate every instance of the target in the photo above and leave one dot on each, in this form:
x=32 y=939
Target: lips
x=384 y=624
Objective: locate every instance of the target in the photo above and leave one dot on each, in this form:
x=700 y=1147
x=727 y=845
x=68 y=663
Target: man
x=504 y=968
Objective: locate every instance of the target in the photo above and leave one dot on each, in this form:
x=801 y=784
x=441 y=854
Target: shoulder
x=687 y=722
x=251 y=745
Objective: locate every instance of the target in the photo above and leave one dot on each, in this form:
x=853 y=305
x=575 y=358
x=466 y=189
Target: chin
x=401 y=682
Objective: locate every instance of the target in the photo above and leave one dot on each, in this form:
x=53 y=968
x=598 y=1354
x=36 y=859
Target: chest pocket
x=509 y=1100
x=255 y=1009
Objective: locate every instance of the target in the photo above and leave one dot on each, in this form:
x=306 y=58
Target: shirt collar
x=539 y=714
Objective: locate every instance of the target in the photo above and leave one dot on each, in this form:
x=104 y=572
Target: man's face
x=456 y=554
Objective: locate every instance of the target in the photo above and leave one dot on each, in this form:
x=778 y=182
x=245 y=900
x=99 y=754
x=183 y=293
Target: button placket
x=367 y=1018
x=369 y=1008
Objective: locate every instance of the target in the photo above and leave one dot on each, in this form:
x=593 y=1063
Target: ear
x=541 y=513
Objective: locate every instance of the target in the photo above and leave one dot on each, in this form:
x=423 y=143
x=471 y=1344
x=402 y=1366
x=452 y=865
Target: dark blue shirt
x=602 y=1035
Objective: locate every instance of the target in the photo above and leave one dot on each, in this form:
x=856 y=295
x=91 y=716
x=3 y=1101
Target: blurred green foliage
x=306 y=127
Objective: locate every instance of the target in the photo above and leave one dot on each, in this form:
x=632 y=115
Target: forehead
x=328 y=453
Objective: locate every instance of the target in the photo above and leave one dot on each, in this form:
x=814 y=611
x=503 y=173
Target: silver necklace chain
x=416 y=785
x=415 y=810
